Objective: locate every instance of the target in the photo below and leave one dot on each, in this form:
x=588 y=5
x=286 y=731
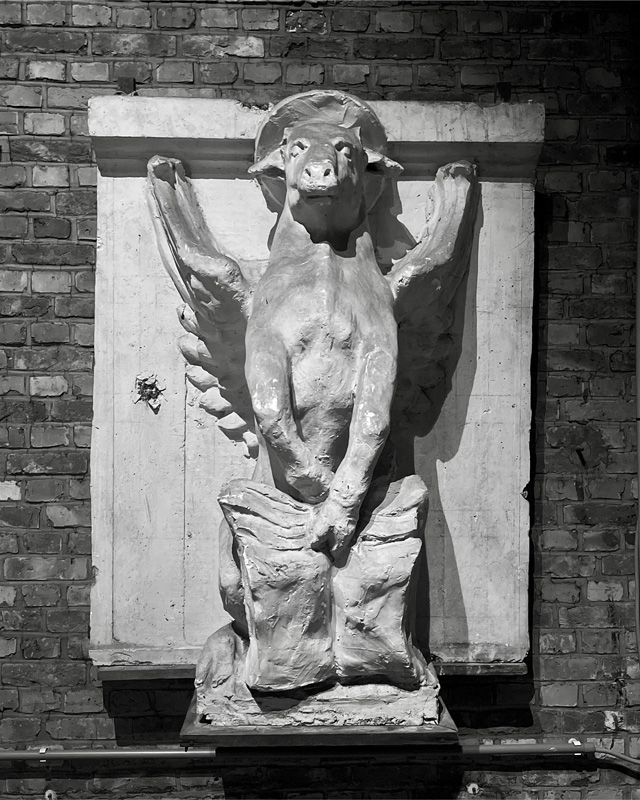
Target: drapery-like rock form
x=318 y=551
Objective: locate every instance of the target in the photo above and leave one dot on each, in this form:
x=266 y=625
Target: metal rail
x=608 y=757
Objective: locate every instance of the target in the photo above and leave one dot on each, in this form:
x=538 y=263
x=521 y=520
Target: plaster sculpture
x=318 y=549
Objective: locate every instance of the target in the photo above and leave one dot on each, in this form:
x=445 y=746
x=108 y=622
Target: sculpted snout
x=318 y=175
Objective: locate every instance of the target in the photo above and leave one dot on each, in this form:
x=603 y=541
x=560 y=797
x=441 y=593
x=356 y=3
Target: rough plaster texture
x=487 y=411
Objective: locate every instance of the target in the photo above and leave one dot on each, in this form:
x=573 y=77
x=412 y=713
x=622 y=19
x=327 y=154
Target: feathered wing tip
x=216 y=301
x=426 y=284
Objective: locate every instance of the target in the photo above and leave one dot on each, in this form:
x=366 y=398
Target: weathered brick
x=16 y=730
x=8 y=543
x=35 y=647
x=563 y=49
x=86 y=229
x=8 y=596
x=45 y=568
x=323 y=47
x=38 y=595
x=50 y=253
x=75 y=96
x=83 y=701
x=44 y=123
x=38 y=701
x=175 y=72
x=438 y=22
x=46 y=674
x=265 y=72
x=34 y=41
x=12 y=176
x=553 y=642
x=388 y=75
x=48 y=386
x=391 y=48
x=306 y=21
x=50 y=175
x=50 y=332
x=218 y=18
x=599 y=641
x=90 y=71
x=78 y=595
x=559 y=694
x=593 y=513
x=464 y=48
x=601 y=78
x=604 y=591
x=618 y=564
x=436 y=75
x=45 y=70
x=13 y=227
x=10 y=490
x=24 y=200
x=133 y=44
x=51 y=228
x=18 y=517
x=217 y=46
x=8 y=699
x=8 y=646
x=568 y=566
x=350 y=74
x=606 y=180
x=305 y=74
x=394 y=21
x=10 y=14
x=90 y=15
x=133 y=17
x=11 y=384
x=9 y=122
x=481 y=21
x=600 y=694
x=558 y=539
x=563 y=181
x=61 y=516
x=606 y=129
x=20 y=620
x=21 y=96
x=350 y=19
x=88 y=728
x=574 y=359
x=260 y=19
x=176 y=17
x=50 y=436
x=9 y=68
x=46 y=13
x=561 y=129
x=63 y=150
x=44 y=463
x=65 y=620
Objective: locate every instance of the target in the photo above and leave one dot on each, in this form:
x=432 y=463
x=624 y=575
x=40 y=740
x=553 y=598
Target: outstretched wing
x=217 y=300
x=425 y=283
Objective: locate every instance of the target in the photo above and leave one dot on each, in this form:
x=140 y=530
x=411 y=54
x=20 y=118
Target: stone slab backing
x=156 y=477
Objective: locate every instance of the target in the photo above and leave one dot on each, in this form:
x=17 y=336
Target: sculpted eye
x=297 y=148
x=344 y=148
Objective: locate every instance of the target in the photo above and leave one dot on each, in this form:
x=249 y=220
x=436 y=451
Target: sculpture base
x=341 y=715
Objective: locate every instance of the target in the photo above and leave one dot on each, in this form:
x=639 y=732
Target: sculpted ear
x=381 y=163
x=272 y=163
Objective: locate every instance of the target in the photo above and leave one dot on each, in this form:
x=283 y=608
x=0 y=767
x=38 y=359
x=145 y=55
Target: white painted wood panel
x=156 y=477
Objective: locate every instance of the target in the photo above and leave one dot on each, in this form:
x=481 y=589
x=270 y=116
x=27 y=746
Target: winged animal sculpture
x=303 y=365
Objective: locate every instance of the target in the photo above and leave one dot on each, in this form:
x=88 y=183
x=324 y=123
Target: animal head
x=330 y=178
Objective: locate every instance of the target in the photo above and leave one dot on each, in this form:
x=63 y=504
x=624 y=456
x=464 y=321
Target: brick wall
x=580 y=60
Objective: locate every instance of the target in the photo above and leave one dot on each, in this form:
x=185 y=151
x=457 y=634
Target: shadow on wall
x=148 y=712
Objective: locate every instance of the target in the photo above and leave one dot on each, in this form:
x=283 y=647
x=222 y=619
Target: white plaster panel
x=156 y=477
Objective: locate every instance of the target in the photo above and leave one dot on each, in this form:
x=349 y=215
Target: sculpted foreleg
x=268 y=376
x=338 y=515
